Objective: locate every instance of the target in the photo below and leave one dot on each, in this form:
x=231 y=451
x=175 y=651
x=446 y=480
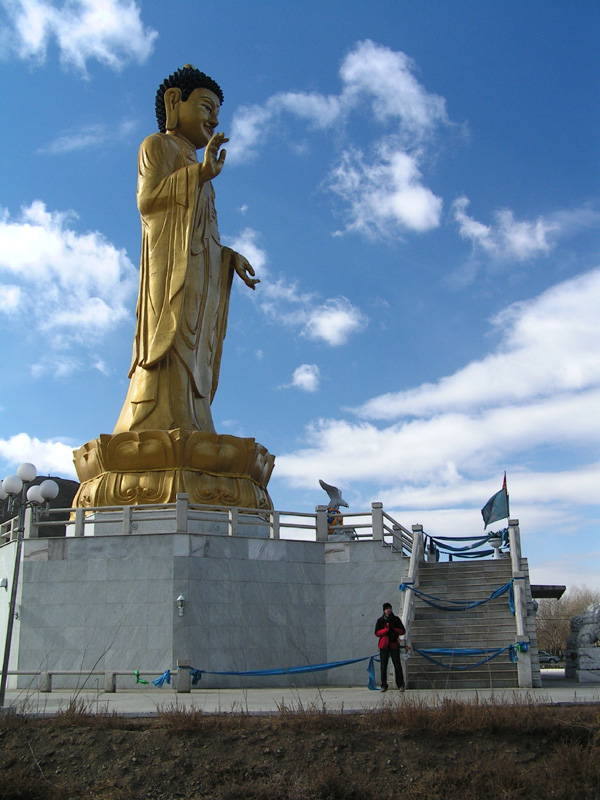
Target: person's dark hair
x=187 y=79
x=386 y=605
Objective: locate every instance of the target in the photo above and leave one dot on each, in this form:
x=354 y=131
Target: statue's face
x=199 y=117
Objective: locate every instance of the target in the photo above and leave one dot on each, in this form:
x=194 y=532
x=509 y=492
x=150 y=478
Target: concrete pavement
x=149 y=700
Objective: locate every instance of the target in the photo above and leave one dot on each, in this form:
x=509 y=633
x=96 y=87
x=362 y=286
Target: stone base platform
x=153 y=467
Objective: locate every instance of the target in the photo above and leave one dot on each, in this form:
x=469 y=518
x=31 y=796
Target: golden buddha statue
x=185 y=283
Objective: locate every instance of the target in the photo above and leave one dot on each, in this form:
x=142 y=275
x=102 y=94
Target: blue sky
x=416 y=185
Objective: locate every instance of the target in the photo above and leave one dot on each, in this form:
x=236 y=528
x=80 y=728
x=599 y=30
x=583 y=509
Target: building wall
x=109 y=603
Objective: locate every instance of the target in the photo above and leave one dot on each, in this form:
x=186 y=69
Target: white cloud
x=385 y=194
x=387 y=78
x=306 y=377
x=109 y=31
x=332 y=321
x=58 y=366
x=86 y=138
x=549 y=346
x=436 y=450
x=50 y=457
x=73 y=287
x=101 y=366
x=385 y=197
x=530 y=408
x=506 y=238
x=10 y=298
x=373 y=77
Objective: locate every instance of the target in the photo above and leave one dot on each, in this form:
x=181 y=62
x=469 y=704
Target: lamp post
x=20 y=496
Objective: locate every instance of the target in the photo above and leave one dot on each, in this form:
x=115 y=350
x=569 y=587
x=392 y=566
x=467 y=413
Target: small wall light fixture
x=180 y=604
x=4 y=584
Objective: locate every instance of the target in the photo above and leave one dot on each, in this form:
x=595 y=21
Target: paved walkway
x=149 y=700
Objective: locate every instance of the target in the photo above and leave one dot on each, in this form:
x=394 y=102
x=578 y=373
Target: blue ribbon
x=164 y=678
x=372 y=683
x=515 y=649
x=463 y=605
x=285 y=670
x=490 y=652
x=476 y=539
x=196 y=674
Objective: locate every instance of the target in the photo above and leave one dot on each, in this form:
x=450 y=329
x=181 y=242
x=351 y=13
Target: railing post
x=181 y=513
x=183 y=677
x=274 y=525
x=30 y=531
x=80 y=522
x=110 y=682
x=418 y=537
x=45 y=682
x=127 y=515
x=514 y=543
x=524 y=671
x=321 y=523
x=377 y=521
x=232 y=522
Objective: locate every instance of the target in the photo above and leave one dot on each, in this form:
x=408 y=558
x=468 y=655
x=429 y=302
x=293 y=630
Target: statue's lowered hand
x=245 y=270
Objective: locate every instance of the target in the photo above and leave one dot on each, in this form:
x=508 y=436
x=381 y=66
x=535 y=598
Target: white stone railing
x=185 y=517
x=44 y=677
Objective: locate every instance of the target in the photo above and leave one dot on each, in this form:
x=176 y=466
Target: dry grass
x=457 y=750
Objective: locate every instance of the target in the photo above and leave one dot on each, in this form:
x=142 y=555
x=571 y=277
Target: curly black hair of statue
x=187 y=79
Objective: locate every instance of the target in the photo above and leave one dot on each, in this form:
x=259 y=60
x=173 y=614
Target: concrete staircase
x=490 y=625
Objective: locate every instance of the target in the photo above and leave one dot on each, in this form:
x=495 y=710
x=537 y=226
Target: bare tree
x=554 y=616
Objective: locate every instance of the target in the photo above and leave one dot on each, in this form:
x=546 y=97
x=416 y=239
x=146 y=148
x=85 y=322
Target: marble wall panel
x=33 y=572
x=308 y=552
x=35 y=550
x=84 y=547
x=268 y=549
x=181 y=544
x=60 y=571
x=220 y=547
x=94 y=615
x=96 y=569
x=337 y=552
x=200 y=546
x=57 y=549
x=71 y=594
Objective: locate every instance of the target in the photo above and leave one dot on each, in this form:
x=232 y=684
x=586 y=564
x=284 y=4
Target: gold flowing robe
x=185 y=283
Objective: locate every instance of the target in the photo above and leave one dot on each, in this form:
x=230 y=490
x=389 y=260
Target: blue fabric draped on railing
x=440 y=543
x=490 y=652
x=196 y=674
x=463 y=605
x=162 y=679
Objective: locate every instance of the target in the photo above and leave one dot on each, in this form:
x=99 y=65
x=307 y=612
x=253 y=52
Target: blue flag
x=496 y=507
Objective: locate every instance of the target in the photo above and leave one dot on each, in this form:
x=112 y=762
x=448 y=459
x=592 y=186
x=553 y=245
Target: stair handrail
x=525 y=675
x=411 y=580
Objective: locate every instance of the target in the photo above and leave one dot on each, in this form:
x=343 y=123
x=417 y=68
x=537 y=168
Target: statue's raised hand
x=213 y=161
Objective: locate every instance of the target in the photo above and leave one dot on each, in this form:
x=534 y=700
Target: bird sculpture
x=335 y=496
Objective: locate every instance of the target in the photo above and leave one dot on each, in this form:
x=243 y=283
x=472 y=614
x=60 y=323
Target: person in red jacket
x=388 y=629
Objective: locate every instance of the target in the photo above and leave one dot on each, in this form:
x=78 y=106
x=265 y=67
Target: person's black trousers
x=384 y=655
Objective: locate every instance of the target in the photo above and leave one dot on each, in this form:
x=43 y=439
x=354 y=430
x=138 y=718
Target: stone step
x=495 y=607
x=452 y=627
x=489 y=625
x=454 y=568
